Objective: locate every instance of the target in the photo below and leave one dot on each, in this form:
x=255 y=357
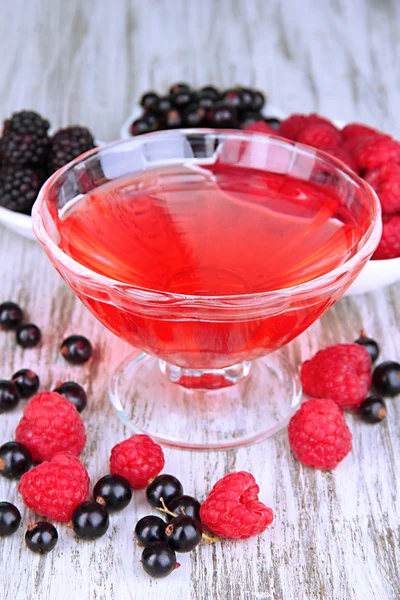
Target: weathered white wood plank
x=336 y=535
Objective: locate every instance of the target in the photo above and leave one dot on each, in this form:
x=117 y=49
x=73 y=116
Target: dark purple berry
x=69 y=143
x=76 y=349
x=149 y=101
x=194 y=115
x=90 y=520
x=28 y=335
x=165 y=104
x=233 y=97
x=143 y=125
x=184 y=505
x=183 y=533
x=27 y=382
x=11 y=316
x=222 y=116
x=15 y=460
x=386 y=378
x=273 y=122
x=74 y=393
x=177 y=88
x=370 y=345
x=41 y=537
x=158 y=560
x=258 y=100
x=173 y=119
x=10 y=518
x=150 y=529
x=166 y=487
x=206 y=99
x=113 y=492
x=247 y=98
x=182 y=99
x=9 y=396
x=213 y=91
x=372 y=409
x=250 y=117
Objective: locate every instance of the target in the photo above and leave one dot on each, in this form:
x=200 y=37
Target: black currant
x=247 y=98
x=27 y=382
x=233 y=97
x=206 y=99
x=150 y=529
x=250 y=117
x=182 y=98
x=173 y=119
x=165 y=104
x=28 y=335
x=273 y=122
x=90 y=520
x=183 y=533
x=149 y=101
x=113 y=492
x=15 y=460
x=184 y=505
x=143 y=125
x=11 y=316
x=370 y=345
x=372 y=409
x=194 y=115
x=166 y=487
x=177 y=88
x=76 y=349
x=222 y=116
x=258 y=100
x=212 y=91
x=9 y=396
x=74 y=393
x=41 y=537
x=386 y=378
x=158 y=559
x=10 y=518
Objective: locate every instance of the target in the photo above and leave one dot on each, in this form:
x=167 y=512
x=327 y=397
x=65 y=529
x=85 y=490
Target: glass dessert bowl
x=207 y=251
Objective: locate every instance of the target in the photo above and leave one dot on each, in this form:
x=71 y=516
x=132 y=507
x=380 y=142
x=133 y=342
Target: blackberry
x=67 y=144
x=19 y=187
x=25 y=140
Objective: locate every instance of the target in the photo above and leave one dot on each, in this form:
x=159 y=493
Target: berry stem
x=210 y=538
x=164 y=509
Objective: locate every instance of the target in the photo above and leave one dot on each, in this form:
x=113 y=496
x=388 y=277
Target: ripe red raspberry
x=232 y=509
x=54 y=489
x=261 y=127
x=318 y=434
x=389 y=246
x=138 y=459
x=320 y=136
x=386 y=182
x=343 y=155
x=341 y=373
x=357 y=130
x=375 y=151
x=291 y=127
x=51 y=424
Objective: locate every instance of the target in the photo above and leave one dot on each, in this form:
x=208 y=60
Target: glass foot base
x=261 y=404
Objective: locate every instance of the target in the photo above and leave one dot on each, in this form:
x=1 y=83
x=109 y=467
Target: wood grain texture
x=336 y=535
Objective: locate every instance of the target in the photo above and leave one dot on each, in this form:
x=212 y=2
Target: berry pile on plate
x=372 y=154
x=208 y=106
x=28 y=155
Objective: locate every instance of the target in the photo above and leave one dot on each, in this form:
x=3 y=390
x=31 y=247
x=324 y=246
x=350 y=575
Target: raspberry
x=138 y=459
x=291 y=127
x=389 y=246
x=356 y=130
x=320 y=136
x=261 y=127
x=318 y=434
x=341 y=373
x=232 y=509
x=54 y=489
x=386 y=182
x=375 y=151
x=343 y=155
x=51 y=424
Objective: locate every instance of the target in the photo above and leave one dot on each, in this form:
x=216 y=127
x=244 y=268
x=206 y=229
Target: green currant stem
x=164 y=509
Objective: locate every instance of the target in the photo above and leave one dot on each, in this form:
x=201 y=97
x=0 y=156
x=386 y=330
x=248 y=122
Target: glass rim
x=366 y=244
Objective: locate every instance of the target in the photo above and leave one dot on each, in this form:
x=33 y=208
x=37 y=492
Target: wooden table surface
x=336 y=534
